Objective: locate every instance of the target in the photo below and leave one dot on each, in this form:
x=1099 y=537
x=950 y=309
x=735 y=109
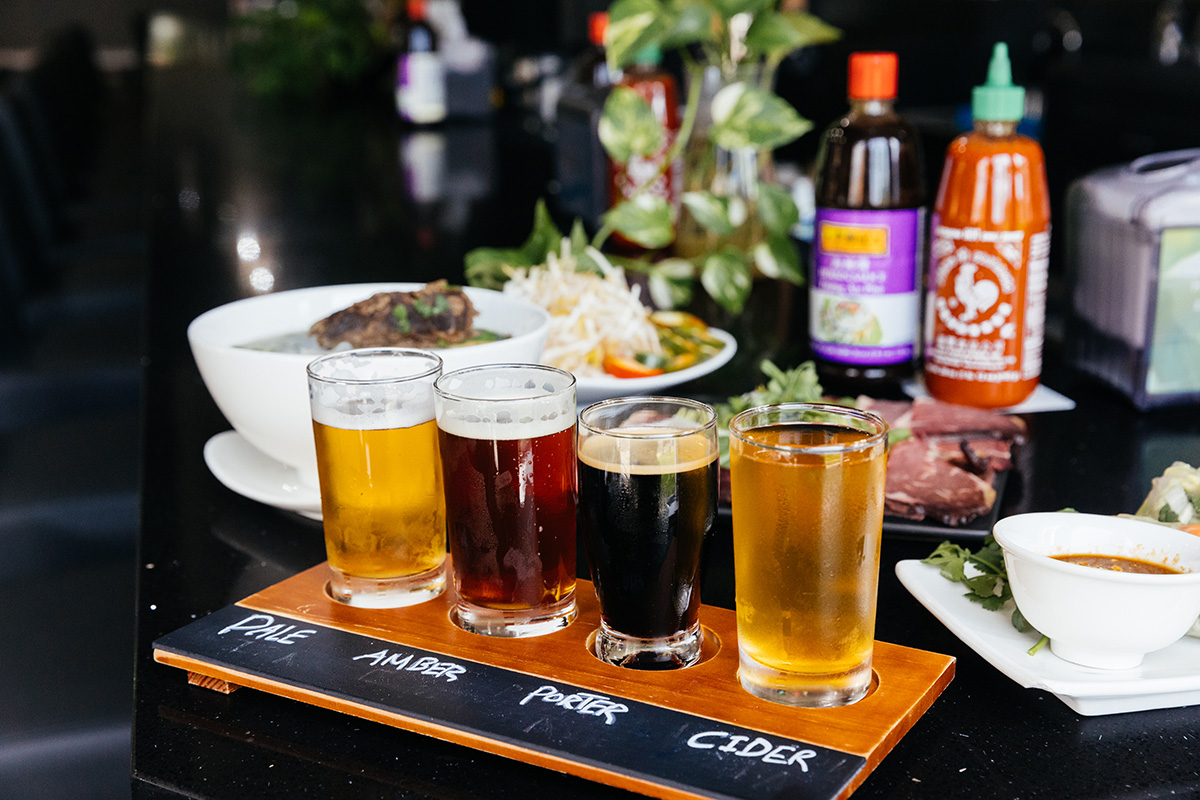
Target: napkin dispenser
x=1133 y=263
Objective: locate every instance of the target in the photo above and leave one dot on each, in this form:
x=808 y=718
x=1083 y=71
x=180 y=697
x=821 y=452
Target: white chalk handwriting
x=264 y=627
x=586 y=703
x=758 y=747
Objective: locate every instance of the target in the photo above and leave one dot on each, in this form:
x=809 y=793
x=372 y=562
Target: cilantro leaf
x=988 y=581
x=797 y=385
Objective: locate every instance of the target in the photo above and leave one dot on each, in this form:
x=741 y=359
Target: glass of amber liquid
x=647 y=500
x=380 y=475
x=807 y=485
x=507 y=438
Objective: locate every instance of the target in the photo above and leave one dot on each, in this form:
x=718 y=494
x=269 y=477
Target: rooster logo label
x=975 y=308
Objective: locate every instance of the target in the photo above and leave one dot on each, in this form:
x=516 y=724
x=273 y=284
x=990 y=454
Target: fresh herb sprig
x=796 y=385
x=987 y=584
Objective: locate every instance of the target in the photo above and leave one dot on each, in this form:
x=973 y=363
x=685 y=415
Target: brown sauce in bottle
x=870 y=161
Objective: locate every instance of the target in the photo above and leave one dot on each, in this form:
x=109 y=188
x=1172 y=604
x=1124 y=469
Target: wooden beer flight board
x=692 y=733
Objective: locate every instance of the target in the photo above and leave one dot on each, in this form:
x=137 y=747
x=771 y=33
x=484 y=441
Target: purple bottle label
x=865 y=300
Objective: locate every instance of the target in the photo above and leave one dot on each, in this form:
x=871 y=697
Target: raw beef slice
x=921 y=484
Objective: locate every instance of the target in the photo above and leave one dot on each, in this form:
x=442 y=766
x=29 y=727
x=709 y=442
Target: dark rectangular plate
x=975 y=530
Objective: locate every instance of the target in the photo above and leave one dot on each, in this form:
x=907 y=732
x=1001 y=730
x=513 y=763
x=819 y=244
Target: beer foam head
x=648 y=435
x=656 y=454
x=506 y=401
x=376 y=389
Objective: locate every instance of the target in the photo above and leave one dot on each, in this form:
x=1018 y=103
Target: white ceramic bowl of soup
x=264 y=394
x=1096 y=617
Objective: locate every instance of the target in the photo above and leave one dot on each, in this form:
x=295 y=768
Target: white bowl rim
x=1007 y=532
x=197 y=325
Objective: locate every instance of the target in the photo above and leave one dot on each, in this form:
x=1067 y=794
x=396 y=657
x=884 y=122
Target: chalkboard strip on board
x=548 y=701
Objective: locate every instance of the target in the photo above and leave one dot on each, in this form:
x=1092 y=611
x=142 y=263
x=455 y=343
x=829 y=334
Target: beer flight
x=495 y=465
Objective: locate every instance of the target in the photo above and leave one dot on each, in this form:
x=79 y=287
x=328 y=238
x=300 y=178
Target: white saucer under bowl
x=245 y=469
x=1167 y=678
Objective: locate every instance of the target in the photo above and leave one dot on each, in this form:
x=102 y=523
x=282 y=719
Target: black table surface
x=327 y=194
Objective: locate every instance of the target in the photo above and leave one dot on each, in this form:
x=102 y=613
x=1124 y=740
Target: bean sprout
x=591 y=316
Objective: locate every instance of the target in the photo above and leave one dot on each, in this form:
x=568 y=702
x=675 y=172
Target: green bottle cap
x=650 y=55
x=998 y=100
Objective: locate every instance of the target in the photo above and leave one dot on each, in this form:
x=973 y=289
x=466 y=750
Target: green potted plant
x=306 y=49
x=726 y=229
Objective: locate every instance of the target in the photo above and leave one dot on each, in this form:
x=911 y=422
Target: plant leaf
x=812 y=30
x=645 y=219
x=776 y=208
x=633 y=25
x=579 y=238
x=772 y=36
x=776 y=257
x=671 y=282
x=729 y=8
x=749 y=117
x=726 y=277
x=710 y=211
x=688 y=23
x=628 y=126
x=544 y=238
x=582 y=251
x=950 y=559
x=775 y=33
x=488 y=267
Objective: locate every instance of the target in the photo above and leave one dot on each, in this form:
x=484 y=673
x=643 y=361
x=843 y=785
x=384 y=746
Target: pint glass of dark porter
x=648 y=497
x=507 y=438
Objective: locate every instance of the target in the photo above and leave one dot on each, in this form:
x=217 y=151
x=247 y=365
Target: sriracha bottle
x=658 y=88
x=989 y=253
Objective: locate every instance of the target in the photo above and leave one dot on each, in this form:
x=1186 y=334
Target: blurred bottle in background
x=658 y=88
x=468 y=63
x=420 y=77
x=581 y=165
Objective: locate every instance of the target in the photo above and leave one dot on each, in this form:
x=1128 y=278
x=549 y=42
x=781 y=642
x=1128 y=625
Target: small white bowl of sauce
x=1105 y=590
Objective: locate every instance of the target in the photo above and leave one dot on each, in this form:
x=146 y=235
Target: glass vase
x=730 y=174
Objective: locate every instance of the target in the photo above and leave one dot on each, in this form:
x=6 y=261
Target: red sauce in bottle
x=989 y=253
x=658 y=88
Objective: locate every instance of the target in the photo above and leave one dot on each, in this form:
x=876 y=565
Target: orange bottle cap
x=872 y=76
x=597 y=27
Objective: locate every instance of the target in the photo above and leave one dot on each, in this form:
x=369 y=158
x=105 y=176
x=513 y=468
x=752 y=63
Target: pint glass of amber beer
x=507 y=438
x=647 y=499
x=380 y=475
x=807 y=482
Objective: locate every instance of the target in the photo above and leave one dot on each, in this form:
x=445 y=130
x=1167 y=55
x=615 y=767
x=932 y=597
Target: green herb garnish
x=797 y=385
x=988 y=585
x=440 y=306
x=400 y=316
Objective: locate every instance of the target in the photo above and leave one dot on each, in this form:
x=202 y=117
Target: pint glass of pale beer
x=380 y=475
x=647 y=498
x=807 y=493
x=507 y=439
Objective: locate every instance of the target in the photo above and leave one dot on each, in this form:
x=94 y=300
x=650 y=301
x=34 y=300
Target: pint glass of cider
x=647 y=498
x=380 y=475
x=507 y=439
x=807 y=492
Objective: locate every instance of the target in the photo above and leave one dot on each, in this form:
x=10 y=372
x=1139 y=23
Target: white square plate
x=1167 y=678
